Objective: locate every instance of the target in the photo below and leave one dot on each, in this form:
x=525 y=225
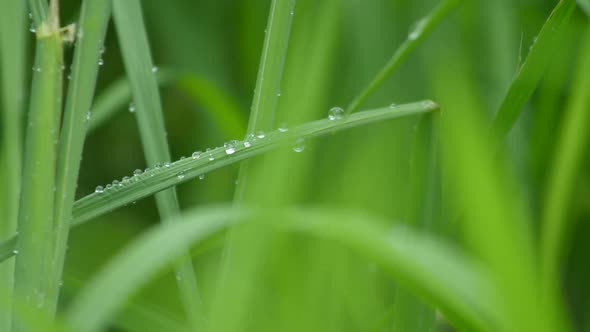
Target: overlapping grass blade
x=169 y=175
x=525 y=82
x=221 y=107
x=37 y=199
x=585 y=5
x=572 y=145
x=144 y=87
x=95 y=15
x=420 y=32
x=12 y=54
x=429 y=267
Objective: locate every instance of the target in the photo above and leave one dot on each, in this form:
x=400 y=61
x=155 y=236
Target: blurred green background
x=336 y=47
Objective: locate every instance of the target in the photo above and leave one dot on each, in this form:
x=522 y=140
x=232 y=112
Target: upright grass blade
x=37 y=199
x=428 y=267
x=94 y=17
x=585 y=5
x=573 y=142
x=533 y=68
x=270 y=75
x=12 y=66
x=416 y=36
x=167 y=176
x=139 y=66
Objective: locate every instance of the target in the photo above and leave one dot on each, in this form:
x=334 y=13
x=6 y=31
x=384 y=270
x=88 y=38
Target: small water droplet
x=99 y=190
x=132 y=107
x=182 y=158
x=202 y=177
x=417 y=30
x=157 y=166
x=210 y=155
x=230 y=147
x=109 y=186
x=117 y=184
x=299 y=145
x=260 y=134
x=15 y=252
x=180 y=176
x=88 y=116
x=196 y=155
x=167 y=164
x=154 y=69
x=100 y=61
x=32 y=28
x=429 y=105
x=336 y=113
x=137 y=172
x=283 y=128
x=125 y=179
x=393 y=105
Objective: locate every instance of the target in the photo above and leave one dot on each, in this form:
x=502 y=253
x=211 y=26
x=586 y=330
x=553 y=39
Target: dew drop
x=117 y=184
x=154 y=69
x=196 y=155
x=260 y=134
x=99 y=190
x=202 y=177
x=429 y=105
x=100 y=61
x=283 y=128
x=230 y=147
x=157 y=166
x=417 y=30
x=88 y=116
x=336 y=113
x=180 y=176
x=15 y=252
x=393 y=105
x=167 y=164
x=210 y=155
x=299 y=145
x=109 y=186
x=132 y=107
x=137 y=172
x=125 y=179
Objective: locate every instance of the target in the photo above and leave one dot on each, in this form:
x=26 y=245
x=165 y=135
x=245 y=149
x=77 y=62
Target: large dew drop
x=230 y=147
x=336 y=113
x=99 y=190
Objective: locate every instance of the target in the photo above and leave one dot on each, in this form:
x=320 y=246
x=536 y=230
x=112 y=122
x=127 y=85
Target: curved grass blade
x=36 y=205
x=168 y=175
x=569 y=155
x=222 y=108
x=585 y=5
x=94 y=18
x=144 y=87
x=534 y=66
x=419 y=33
x=13 y=46
x=428 y=267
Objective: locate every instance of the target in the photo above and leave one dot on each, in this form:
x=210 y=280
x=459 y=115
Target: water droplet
x=15 y=252
x=100 y=61
x=167 y=164
x=132 y=107
x=154 y=69
x=88 y=116
x=230 y=147
x=279 y=94
x=146 y=170
x=429 y=105
x=102 y=49
x=157 y=166
x=202 y=177
x=117 y=184
x=283 y=128
x=393 y=105
x=99 y=190
x=210 y=155
x=30 y=16
x=32 y=28
x=299 y=145
x=260 y=134
x=109 y=186
x=137 y=172
x=180 y=176
x=125 y=179
x=196 y=155
x=336 y=113
x=417 y=30
x=182 y=158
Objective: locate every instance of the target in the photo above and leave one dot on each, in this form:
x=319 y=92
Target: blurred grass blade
x=585 y=5
x=221 y=107
x=419 y=33
x=430 y=268
x=573 y=143
x=94 y=17
x=13 y=41
x=540 y=54
x=144 y=87
x=37 y=199
x=169 y=175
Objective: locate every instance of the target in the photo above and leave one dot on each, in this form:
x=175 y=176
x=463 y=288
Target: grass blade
x=139 y=66
x=569 y=155
x=420 y=32
x=167 y=175
x=430 y=268
x=534 y=66
x=12 y=54
x=36 y=206
x=94 y=17
x=585 y=5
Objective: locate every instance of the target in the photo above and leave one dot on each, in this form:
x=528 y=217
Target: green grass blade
x=430 y=268
x=270 y=76
x=534 y=66
x=585 y=5
x=169 y=175
x=13 y=22
x=572 y=145
x=94 y=18
x=419 y=33
x=39 y=10
x=144 y=87
x=222 y=108
x=36 y=206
